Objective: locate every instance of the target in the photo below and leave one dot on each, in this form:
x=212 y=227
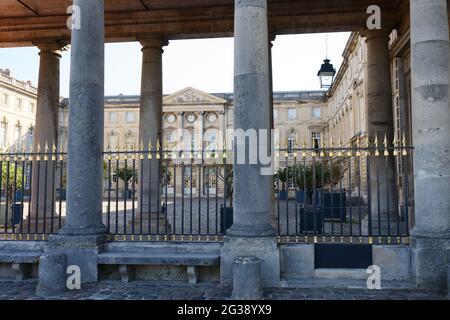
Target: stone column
x=431 y=138
x=251 y=232
x=272 y=37
x=380 y=122
x=150 y=131
x=84 y=235
x=46 y=134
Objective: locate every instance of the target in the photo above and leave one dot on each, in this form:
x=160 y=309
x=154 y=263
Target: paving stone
x=18 y=290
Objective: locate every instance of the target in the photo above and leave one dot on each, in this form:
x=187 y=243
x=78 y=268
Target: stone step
x=142 y=258
x=355 y=274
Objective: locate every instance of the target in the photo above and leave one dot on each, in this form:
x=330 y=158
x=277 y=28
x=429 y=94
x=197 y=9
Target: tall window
x=29 y=138
x=130 y=116
x=316 y=112
x=316 y=139
x=113 y=117
x=113 y=141
x=19 y=104
x=275 y=114
x=130 y=140
x=5 y=99
x=291 y=140
x=31 y=107
x=211 y=143
x=18 y=135
x=3 y=133
x=292 y=114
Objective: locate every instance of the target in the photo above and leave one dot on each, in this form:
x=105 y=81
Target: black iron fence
x=333 y=194
x=344 y=194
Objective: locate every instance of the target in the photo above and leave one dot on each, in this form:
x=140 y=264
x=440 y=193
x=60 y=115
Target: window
x=275 y=114
x=18 y=135
x=113 y=141
x=211 y=143
x=316 y=112
x=292 y=114
x=130 y=140
x=113 y=117
x=3 y=133
x=5 y=99
x=291 y=140
x=316 y=139
x=31 y=107
x=19 y=104
x=130 y=116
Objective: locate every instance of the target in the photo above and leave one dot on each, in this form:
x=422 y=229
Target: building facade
x=17 y=112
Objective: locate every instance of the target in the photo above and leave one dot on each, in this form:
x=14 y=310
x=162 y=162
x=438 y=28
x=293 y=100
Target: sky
x=205 y=64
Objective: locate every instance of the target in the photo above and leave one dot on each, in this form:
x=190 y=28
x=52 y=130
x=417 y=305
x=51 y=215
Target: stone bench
x=192 y=260
x=21 y=261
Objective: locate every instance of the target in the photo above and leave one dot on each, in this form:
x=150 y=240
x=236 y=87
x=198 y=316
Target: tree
x=282 y=176
x=12 y=176
x=127 y=175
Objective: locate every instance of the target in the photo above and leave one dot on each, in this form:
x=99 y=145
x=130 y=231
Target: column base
x=430 y=262
x=264 y=248
x=151 y=224
x=80 y=250
x=50 y=225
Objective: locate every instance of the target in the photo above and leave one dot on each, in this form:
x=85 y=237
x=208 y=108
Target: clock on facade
x=171 y=118
x=212 y=117
x=191 y=118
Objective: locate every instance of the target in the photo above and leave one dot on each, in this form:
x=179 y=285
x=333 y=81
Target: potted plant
x=12 y=177
x=127 y=175
x=282 y=176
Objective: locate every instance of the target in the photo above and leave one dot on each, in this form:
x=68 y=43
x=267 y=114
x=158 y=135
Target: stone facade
x=17 y=111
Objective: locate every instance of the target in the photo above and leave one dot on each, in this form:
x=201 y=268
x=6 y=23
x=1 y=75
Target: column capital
x=376 y=33
x=53 y=47
x=153 y=43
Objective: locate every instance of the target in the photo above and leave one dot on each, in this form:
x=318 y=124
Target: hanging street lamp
x=326 y=74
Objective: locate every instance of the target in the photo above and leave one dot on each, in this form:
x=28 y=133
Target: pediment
x=192 y=96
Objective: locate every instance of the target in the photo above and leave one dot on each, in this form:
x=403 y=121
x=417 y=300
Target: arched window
x=113 y=141
x=211 y=140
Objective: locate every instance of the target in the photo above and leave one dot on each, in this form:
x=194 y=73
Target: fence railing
x=320 y=194
x=344 y=194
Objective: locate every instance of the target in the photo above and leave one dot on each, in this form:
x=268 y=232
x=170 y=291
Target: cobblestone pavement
x=109 y=290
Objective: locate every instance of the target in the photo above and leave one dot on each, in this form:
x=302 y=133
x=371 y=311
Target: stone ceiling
x=23 y=22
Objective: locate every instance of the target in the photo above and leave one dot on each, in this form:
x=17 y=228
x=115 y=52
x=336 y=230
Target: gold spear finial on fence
x=30 y=151
x=158 y=149
x=395 y=144
x=339 y=154
x=385 y=142
x=349 y=151
x=24 y=150
x=367 y=146
x=331 y=153
x=358 y=146
x=322 y=147
x=304 y=149
x=141 y=151
x=277 y=148
x=38 y=151
x=54 y=152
